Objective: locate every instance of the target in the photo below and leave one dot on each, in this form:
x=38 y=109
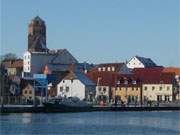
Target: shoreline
x=41 y=109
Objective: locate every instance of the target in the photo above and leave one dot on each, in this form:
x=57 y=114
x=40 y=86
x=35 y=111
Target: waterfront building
x=76 y=84
x=34 y=88
x=176 y=71
x=102 y=74
x=126 y=89
x=103 y=82
x=140 y=62
x=14 y=67
x=156 y=85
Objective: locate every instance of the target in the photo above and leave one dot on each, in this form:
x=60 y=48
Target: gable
x=134 y=62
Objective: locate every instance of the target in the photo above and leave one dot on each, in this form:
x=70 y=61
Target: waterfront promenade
x=40 y=109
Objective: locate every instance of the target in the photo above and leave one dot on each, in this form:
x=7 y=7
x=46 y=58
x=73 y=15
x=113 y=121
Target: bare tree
x=8 y=56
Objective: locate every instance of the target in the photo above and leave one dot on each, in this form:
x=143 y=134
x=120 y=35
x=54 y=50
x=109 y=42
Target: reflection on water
x=97 y=123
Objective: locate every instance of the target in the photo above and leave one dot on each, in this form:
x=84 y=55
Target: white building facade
x=103 y=93
x=157 y=92
x=74 y=86
x=140 y=62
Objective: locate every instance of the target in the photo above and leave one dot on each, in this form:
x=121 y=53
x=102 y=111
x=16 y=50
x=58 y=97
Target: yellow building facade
x=127 y=94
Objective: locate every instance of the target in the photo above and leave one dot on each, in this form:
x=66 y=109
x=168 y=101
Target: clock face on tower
x=37 y=35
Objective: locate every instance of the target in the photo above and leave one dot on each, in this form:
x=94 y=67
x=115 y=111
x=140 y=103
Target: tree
x=9 y=56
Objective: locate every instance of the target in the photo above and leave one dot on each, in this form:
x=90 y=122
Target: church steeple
x=37 y=35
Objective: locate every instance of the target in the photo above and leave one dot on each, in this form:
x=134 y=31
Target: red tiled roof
x=172 y=70
x=126 y=77
x=13 y=63
x=142 y=71
x=154 y=75
x=105 y=78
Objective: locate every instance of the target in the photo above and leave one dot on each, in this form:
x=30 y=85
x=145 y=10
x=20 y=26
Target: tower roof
x=37 y=18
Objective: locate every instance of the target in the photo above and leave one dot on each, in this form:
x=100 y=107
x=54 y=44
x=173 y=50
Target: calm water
x=94 y=123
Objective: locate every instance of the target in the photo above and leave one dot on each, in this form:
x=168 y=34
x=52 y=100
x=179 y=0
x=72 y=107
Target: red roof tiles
x=154 y=75
x=172 y=70
x=13 y=63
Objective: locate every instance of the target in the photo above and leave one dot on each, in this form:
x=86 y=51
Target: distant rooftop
x=146 y=61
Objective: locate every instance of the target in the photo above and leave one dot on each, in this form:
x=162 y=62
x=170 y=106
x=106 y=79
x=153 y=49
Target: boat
x=70 y=104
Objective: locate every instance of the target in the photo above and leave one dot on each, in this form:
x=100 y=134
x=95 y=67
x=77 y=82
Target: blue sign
x=39 y=76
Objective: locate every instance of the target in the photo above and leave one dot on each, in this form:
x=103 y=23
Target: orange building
x=126 y=90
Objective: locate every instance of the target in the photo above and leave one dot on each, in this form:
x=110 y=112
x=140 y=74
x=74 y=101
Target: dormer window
x=109 y=68
x=134 y=82
x=113 y=69
x=99 y=69
x=126 y=82
x=118 y=83
x=104 y=69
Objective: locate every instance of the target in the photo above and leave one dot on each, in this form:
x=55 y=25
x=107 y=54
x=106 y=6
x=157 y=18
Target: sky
x=97 y=31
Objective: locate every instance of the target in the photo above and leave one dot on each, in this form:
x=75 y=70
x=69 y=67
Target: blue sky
x=97 y=31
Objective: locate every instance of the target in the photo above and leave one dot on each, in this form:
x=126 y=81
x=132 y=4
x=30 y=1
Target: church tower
x=37 y=35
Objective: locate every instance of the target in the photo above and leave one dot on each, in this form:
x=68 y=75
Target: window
x=30 y=92
x=104 y=89
x=63 y=81
x=132 y=98
x=113 y=69
x=99 y=88
x=168 y=88
x=132 y=88
x=145 y=88
x=160 y=88
x=118 y=82
x=25 y=92
x=67 y=89
x=61 y=89
x=167 y=98
x=99 y=69
x=71 y=81
x=153 y=88
x=126 y=82
x=136 y=88
x=159 y=98
x=109 y=69
x=104 y=69
x=134 y=82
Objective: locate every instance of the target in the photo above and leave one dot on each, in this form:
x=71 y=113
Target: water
x=92 y=123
